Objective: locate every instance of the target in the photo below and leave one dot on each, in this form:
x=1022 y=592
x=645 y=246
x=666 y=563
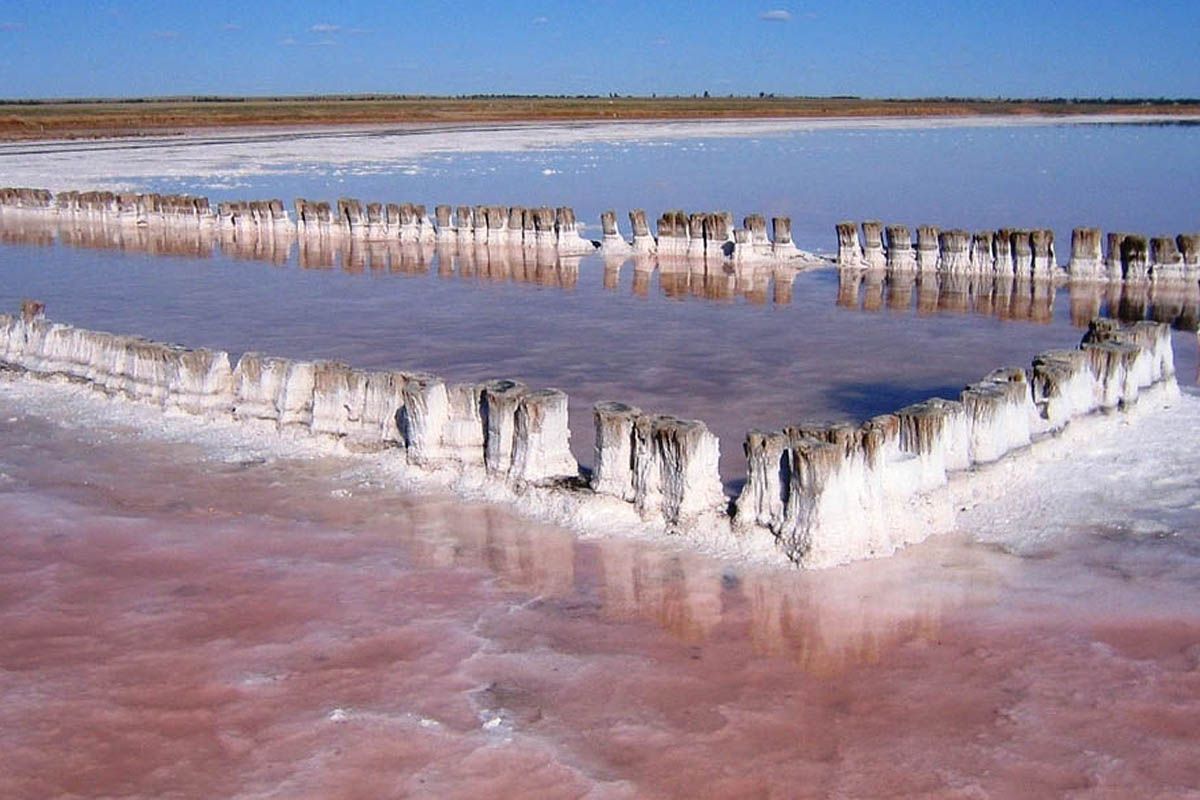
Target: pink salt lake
x=183 y=620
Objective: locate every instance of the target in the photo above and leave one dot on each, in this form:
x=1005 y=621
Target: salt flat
x=91 y=164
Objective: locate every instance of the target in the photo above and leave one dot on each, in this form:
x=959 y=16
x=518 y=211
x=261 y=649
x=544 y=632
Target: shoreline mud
x=36 y=120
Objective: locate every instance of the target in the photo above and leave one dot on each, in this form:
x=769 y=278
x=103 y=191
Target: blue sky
x=817 y=47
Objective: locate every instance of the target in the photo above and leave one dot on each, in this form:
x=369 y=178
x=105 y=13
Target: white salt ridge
x=833 y=494
x=814 y=495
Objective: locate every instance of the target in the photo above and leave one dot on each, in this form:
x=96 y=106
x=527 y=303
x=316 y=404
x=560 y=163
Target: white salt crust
x=814 y=496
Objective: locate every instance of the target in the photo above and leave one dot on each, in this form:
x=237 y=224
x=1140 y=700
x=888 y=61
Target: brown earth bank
x=60 y=119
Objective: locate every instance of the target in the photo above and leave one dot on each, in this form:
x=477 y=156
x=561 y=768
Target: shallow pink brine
x=184 y=613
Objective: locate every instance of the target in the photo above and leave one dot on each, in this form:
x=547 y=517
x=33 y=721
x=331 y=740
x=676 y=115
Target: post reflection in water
x=678 y=279
x=1006 y=298
x=1175 y=303
x=1003 y=297
x=820 y=622
x=700 y=279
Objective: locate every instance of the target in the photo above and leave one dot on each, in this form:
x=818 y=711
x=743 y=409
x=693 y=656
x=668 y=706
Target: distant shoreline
x=57 y=120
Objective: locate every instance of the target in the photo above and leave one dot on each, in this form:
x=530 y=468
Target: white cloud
x=540 y=20
x=325 y=27
x=776 y=15
x=287 y=41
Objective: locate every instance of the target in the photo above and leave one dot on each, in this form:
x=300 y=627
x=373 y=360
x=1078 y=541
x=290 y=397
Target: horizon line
x=762 y=96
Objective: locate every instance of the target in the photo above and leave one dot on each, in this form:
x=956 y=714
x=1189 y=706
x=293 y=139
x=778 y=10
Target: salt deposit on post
x=850 y=252
x=613 y=470
x=782 y=245
x=954 y=251
x=613 y=241
x=541 y=438
x=900 y=254
x=814 y=494
x=872 y=245
x=1028 y=254
x=642 y=242
x=699 y=236
x=1087 y=260
x=831 y=494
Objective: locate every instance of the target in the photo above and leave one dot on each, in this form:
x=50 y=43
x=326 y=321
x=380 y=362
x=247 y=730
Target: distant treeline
x=358 y=98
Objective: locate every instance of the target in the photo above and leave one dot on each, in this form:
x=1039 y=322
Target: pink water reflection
x=180 y=624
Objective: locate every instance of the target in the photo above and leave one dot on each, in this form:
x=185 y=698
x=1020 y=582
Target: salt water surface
x=971 y=173
x=189 y=611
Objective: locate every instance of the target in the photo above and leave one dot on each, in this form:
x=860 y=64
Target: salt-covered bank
x=815 y=495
